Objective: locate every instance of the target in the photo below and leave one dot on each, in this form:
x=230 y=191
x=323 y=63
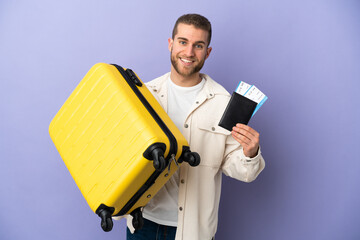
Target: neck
x=184 y=81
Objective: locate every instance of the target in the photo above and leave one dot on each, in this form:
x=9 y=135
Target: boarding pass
x=253 y=93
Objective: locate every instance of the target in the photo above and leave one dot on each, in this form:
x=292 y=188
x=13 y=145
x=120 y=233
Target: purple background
x=305 y=55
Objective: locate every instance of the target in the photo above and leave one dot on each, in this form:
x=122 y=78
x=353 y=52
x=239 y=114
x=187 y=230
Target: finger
x=250 y=148
x=245 y=133
x=248 y=129
x=243 y=140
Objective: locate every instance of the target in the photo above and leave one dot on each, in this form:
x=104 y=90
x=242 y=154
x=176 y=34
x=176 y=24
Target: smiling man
x=186 y=208
x=188 y=54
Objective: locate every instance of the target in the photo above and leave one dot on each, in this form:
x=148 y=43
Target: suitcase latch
x=172 y=159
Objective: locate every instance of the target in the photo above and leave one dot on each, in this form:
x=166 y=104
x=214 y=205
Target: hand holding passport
x=243 y=104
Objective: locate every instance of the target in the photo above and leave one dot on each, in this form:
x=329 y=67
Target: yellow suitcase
x=118 y=143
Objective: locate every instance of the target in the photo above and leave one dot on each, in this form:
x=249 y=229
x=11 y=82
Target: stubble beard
x=188 y=71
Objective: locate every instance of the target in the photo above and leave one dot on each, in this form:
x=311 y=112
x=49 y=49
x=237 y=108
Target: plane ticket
x=253 y=93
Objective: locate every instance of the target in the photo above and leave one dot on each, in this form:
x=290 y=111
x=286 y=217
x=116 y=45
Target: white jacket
x=200 y=187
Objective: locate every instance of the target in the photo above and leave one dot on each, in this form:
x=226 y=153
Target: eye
x=182 y=42
x=199 y=46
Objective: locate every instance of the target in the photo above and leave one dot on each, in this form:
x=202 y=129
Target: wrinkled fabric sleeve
x=237 y=165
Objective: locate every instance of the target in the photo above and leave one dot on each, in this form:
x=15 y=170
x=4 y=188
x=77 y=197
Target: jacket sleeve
x=237 y=165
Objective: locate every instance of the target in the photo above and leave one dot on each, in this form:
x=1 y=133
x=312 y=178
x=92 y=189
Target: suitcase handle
x=133 y=77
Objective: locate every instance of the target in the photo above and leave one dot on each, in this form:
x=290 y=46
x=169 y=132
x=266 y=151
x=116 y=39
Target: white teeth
x=187 y=61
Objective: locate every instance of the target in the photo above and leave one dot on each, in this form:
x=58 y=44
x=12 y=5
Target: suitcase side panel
x=86 y=130
x=180 y=141
x=165 y=118
x=159 y=183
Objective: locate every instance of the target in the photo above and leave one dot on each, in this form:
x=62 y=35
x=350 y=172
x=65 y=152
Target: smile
x=186 y=61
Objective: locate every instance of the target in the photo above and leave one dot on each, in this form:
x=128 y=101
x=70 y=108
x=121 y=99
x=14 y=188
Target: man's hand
x=248 y=138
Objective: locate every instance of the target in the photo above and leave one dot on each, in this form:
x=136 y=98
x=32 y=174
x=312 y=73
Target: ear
x=171 y=41
x=208 y=51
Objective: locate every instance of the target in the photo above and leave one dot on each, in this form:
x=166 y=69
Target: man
x=186 y=208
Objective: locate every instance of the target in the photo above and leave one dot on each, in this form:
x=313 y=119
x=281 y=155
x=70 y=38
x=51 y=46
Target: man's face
x=189 y=49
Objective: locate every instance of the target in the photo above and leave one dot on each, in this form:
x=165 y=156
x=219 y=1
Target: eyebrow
x=197 y=42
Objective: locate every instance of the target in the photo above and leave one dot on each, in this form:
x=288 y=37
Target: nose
x=189 y=51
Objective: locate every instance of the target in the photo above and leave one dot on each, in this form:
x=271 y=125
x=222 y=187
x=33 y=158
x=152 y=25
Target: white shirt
x=163 y=207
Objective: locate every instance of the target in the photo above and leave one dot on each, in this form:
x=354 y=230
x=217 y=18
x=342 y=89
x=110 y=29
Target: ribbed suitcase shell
x=101 y=133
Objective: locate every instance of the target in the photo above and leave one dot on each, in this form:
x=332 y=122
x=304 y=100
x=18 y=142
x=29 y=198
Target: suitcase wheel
x=193 y=158
x=138 y=220
x=155 y=152
x=107 y=224
x=159 y=163
x=106 y=220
